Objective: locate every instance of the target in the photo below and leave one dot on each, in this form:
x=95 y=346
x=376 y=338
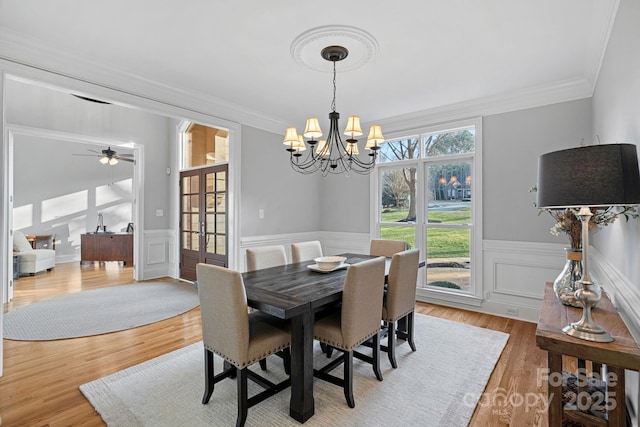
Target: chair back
x=386 y=248
x=401 y=284
x=224 y=311
x=265 y=257
x=362 y=301
x=20 y=242
x=305 y=251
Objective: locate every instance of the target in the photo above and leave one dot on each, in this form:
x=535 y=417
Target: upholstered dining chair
x=356 y=322
x=239 y=337
x=305 y=251
x=265 y=257
x=400 y=298
x=386 y=248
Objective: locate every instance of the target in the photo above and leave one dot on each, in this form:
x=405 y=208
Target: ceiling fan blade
x=94 y=151
x=87 y=155
x=125 y=155
x=119 y=157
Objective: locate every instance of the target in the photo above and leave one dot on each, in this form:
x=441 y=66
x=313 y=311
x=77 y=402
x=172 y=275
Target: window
x=203 y=145
x=426 y=196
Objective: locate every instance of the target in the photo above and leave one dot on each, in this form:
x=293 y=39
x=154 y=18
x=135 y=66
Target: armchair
x=32 y=261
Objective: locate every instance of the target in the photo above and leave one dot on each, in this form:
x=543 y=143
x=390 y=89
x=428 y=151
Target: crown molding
x=503 y=103
x=31 y=54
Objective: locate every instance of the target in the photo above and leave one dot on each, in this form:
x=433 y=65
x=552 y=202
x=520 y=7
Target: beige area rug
x=438 y=385
x=99 y=311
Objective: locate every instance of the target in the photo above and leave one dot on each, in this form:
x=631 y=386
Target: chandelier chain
x=333 y=103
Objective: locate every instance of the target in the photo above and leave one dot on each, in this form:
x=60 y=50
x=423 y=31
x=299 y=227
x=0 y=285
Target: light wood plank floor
x=41 y=379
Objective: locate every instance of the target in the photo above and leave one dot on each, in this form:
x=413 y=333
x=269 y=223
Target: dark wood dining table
x=295 y=292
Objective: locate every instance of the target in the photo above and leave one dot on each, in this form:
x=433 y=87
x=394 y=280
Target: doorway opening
x=204 y=187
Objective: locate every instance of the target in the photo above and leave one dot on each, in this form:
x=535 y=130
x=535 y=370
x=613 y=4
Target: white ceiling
x=431 y=54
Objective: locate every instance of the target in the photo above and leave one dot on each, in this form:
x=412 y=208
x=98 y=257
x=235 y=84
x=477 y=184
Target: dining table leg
x=302 y=403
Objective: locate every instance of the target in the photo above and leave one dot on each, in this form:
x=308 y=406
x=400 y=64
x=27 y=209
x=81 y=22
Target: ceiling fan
x=109 y=156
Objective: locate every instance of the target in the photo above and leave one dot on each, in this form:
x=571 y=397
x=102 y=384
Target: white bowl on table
x=329 y=262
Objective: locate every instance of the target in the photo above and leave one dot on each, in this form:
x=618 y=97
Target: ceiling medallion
x=361 y=45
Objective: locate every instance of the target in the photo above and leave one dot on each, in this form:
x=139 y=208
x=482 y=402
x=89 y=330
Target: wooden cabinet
x=107 y=247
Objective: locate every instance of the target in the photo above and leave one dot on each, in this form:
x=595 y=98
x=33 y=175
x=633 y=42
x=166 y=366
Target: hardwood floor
x=41 y=379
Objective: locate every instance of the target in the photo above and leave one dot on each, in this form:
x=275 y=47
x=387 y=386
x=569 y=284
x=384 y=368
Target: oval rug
x=99 y=311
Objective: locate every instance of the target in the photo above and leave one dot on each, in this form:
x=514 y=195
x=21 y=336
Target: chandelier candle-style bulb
x=312 y=130
x=353 y=128
x=375 y=138
x=299 y=146
x=291 y=138
x=352 y=148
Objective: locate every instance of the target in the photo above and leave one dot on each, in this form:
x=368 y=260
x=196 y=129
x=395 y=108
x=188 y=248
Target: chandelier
x=332 y=155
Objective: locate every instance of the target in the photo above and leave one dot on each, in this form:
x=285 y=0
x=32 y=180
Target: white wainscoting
x=626 y=297
x=159 y=254
x=515 y=274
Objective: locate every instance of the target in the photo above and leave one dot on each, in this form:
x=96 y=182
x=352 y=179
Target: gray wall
x=43 y=108
x=616 y=118
x=512 y=144
x=291 y=201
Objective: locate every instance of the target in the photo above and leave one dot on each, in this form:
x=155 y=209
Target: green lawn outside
x=441 y=243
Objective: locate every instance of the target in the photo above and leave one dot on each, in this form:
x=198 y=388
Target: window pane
x=398 y=197
x=449 y=193
x=211 y=243
x=210 y=182
x=194 y=204
x=221 y=182
x=221 y=223
x=446 y=143
x=400 y=149
x=211 y=202
x=194 y=187
x=186 y=185
x=448 y=256
x=221 y=245
x=406 y=233
x=202 y=145
x=221 y=203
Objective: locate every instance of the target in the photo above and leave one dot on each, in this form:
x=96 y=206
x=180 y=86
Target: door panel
x=203 y=225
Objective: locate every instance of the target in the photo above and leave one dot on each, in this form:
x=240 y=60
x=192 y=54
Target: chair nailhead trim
x=340 y=346
x=251 y=362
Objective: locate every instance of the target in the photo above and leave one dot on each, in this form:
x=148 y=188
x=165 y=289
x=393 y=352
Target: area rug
x=99 y=311
x=438 y=385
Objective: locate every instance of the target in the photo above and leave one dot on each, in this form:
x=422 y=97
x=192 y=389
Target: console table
x=623 y=353
x=107 y=247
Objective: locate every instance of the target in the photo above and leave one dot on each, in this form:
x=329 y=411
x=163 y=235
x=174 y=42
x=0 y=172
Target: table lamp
x=583 y=178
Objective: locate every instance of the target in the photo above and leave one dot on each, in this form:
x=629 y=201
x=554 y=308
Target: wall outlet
x=261 y=213
x=512 y=312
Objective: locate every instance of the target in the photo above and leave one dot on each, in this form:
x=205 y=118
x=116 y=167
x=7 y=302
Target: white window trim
x=474 y=297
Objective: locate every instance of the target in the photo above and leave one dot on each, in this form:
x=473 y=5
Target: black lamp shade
x=594 y=175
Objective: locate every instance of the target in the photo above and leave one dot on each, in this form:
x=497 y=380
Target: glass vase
x=566 y=284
